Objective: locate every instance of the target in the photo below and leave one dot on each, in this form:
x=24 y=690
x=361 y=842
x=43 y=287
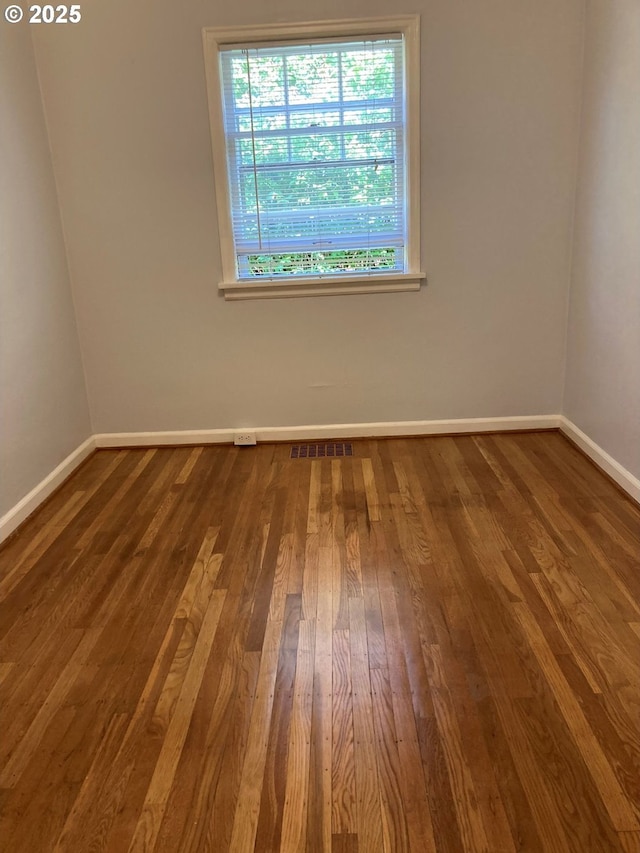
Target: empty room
x=320 y=426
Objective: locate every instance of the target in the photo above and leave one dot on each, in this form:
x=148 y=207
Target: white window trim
x=216 y=38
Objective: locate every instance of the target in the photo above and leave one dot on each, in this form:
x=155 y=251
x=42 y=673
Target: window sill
x=317 y=286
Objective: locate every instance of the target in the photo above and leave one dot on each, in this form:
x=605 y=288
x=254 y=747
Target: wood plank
x=320 y=780
x=294 y=817
x=269 y=831
x=145 y=834
x=367 y=784
x=371 y=493
x=394 y=818
x=343 y=782
x=245 y=823
x=472 y=828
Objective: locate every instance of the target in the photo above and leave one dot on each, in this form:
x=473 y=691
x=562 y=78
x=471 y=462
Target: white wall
x=43 y=409
x=125 y=97
x=603 y=355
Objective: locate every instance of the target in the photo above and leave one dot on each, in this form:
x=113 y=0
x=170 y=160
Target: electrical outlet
x=245 y=439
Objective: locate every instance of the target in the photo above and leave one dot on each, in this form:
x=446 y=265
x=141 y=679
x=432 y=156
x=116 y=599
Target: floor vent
x=329 y=450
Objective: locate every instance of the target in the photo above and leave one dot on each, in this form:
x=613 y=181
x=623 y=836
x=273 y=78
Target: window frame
x=215 y=39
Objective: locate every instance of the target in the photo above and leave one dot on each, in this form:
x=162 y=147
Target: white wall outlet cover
x=244 y=438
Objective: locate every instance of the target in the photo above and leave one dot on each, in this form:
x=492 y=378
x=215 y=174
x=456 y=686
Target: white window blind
x=315 y=156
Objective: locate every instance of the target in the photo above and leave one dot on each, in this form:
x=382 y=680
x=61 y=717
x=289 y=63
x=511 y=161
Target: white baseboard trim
x=12 y=519
x=603 y=460
x=383 y=429
x=29 y=503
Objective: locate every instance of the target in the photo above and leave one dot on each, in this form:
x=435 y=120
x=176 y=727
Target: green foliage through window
x=306 y=263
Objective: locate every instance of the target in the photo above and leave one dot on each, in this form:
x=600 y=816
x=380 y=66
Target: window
x=315 y=157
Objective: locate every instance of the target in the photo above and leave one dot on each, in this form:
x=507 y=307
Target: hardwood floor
x=433 y=645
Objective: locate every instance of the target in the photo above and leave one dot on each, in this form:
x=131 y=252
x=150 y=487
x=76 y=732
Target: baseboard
x=383 y=429
x=602 y=459
x=386 y=429
x=29 y=503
